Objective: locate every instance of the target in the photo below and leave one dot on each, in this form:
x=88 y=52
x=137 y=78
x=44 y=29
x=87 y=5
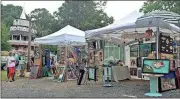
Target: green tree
x=5 y=46
x=43 y=21
x=168 y=5
x=44 y=24
x=84 y=15
x=9 y=13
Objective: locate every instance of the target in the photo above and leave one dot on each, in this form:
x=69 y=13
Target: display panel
x=156 y=66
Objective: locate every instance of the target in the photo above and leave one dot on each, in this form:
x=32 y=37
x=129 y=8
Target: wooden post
x=29 y=47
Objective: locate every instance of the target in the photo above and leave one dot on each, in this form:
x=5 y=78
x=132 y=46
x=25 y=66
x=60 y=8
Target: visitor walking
x=11 y=67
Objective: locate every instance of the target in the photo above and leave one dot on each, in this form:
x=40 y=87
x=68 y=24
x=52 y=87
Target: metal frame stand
x=107 y=73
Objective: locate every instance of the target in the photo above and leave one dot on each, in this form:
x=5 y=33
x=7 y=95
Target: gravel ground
x=44 y=87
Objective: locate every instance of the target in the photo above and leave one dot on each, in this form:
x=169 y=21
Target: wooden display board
x=62 y=60
x=37 y=57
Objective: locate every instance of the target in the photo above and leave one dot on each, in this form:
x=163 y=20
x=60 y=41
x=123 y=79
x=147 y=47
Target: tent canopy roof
x=67 y=35
x=66 y=30
x=129 y=31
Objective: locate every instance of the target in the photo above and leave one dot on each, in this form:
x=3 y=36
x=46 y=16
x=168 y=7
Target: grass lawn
x=4 y=75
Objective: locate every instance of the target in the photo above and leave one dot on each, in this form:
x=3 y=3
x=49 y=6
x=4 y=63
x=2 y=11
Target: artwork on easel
x=167 y=82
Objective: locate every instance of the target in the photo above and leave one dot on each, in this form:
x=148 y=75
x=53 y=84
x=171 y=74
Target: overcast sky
x=117 y=9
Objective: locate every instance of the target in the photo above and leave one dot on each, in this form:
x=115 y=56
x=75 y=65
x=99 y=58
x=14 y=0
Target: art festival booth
x=68 y=40
x=111 y=51
x=151 y=29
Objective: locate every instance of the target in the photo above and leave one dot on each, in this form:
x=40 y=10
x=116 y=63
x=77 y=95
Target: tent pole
x=157 y=43
x=65 y=60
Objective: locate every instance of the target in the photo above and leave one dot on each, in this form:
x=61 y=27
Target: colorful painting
x=70 y=73
x=156 y=66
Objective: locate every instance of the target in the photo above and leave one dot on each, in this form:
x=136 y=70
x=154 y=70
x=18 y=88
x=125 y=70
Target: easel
x=153 y=85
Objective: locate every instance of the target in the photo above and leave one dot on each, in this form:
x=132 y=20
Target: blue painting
x=156 y=66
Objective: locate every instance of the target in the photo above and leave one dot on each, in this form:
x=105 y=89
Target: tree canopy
x=168 y=5
x=43 y=21
x=5 y=46
x=9 y=13
x=84 y=15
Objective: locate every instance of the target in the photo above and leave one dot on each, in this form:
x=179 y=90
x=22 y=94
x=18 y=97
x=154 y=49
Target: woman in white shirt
x=11 y=67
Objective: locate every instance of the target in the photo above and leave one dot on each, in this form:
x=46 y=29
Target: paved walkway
x=44 y=87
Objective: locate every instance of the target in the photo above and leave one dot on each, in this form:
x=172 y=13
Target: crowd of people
x=14 y=61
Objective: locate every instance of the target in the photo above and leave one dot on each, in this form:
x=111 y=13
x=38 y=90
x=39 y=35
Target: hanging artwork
x=133 y=62
x=166 y=44
x=170 y=57
x=144 y=49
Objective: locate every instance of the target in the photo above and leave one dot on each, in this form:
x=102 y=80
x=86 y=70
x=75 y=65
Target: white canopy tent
x=127 y=32
x=132 y=17
x=67 y=35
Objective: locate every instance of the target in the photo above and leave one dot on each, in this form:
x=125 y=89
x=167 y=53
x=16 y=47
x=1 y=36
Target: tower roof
x=23 y=14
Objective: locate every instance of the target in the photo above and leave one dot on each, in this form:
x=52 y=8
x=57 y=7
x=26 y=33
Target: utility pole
x=29 y=47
